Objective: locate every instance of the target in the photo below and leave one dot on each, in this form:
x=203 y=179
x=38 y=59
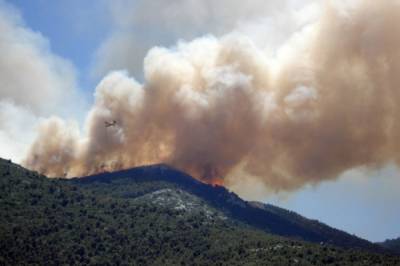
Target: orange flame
x=216 y=182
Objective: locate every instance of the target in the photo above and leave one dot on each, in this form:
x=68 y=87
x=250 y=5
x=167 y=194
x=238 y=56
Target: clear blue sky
x=367 y=207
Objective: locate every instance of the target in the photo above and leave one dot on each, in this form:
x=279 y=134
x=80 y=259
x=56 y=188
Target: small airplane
x=110 y=124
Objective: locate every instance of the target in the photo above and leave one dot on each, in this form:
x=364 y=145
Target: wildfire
x=216 y=182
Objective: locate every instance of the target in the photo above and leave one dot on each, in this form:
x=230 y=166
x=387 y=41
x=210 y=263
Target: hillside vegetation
x=392 y=244
x=142 y=222
x=271 y=219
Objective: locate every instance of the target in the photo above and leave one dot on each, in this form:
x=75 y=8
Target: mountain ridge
x=142 y=221
x=392 y=244
x=269 y=218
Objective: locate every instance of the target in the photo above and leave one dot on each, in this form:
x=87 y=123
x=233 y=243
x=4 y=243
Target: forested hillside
x=52 y=222
x=392 y=244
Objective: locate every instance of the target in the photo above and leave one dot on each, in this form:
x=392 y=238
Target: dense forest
x=147 y=222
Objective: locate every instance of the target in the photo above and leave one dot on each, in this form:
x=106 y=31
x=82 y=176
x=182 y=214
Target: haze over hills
x=392 y=244
x=156 y=215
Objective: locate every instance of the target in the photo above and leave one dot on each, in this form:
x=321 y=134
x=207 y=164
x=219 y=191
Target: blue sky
x=364 y=206
x=75 y=30
x=79 y=30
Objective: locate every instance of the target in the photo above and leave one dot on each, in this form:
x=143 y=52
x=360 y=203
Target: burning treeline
x=329 y=101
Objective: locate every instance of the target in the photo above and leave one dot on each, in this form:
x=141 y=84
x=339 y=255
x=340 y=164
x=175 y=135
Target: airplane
x=110 y=124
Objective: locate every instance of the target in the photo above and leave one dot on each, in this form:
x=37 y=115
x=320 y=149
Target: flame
x=216 y=182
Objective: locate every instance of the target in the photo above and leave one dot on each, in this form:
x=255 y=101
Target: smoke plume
x=33 y=82
x=220 y=108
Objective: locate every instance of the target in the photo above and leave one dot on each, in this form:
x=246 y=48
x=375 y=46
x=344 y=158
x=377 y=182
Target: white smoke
x=275 y=94
x=222 y=107
x=141 y=25
x=33 y=83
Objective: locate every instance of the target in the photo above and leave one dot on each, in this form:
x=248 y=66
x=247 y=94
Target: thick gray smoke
x=220 y=108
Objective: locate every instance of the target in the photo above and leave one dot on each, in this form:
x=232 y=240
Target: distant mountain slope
x=125 y=221
x=392 y=244
x=266 y=217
